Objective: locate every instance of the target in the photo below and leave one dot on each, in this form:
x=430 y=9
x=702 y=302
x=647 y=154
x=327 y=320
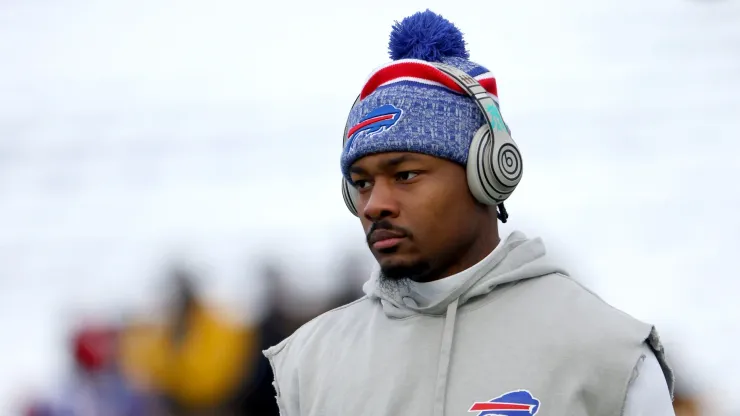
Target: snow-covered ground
x=136 y=130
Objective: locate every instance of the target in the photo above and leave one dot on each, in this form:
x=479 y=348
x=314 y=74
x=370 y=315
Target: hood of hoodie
x=516 y=258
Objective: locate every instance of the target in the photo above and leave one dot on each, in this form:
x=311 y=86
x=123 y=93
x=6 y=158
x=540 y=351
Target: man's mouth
x=385 y=239
x=387 y=243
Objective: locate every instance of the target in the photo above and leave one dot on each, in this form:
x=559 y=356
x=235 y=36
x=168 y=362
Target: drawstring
x=448 y=333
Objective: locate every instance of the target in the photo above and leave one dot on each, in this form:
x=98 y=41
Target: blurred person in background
x=196 y=359
x=456 y=320
x=97 y=386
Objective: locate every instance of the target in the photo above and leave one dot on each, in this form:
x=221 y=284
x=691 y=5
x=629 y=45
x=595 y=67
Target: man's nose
x=381 y=202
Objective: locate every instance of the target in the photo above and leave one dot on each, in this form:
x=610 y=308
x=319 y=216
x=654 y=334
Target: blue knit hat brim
x=432 y=121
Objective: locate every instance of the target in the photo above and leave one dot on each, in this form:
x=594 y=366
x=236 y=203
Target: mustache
x=385 y=225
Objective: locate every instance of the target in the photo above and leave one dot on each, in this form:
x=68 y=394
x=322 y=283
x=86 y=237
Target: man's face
x=417 y=212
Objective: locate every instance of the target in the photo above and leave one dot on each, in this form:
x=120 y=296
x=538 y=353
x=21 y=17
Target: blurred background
x=169 y=183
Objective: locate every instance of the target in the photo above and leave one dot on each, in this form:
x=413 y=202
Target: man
x=455 y=321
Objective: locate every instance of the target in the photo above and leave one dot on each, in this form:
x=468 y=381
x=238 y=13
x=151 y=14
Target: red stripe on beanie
x=490 y=85
x=419 y=70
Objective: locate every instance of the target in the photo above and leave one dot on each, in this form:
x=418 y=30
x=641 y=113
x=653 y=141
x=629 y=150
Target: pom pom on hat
x=426 y=36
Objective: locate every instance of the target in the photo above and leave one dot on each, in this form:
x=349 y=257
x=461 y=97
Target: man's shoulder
x=586 y=328
x=562 y=309
x=599 y=325
x=567 y=295
x=323 y=327
x=629 y=328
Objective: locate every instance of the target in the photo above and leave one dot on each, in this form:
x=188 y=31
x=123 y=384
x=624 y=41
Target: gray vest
x=543 y=346
x=517 y=337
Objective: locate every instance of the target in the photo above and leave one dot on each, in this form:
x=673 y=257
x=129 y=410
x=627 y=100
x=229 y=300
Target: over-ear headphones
x=494 y=166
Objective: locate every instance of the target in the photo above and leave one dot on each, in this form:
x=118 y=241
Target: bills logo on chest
x=514 y=403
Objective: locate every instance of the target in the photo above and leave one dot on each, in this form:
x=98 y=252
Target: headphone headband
x=482 y=98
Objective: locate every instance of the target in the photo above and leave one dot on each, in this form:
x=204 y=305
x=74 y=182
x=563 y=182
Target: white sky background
x=135 y=130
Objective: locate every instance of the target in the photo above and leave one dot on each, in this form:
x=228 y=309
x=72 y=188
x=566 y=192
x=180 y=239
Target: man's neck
x=475 y=253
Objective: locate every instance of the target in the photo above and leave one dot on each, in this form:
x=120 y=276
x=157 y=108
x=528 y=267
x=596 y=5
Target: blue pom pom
x=426 y=36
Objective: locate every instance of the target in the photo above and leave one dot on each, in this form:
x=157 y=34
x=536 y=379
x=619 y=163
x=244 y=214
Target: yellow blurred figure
x=197 y=360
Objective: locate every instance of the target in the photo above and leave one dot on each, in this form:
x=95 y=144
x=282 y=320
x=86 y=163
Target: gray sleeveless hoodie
x=519 y=337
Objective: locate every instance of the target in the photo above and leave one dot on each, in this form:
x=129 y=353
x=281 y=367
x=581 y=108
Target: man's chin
x=397 y=269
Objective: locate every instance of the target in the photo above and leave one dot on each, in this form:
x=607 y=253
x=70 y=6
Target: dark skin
x=420 y=218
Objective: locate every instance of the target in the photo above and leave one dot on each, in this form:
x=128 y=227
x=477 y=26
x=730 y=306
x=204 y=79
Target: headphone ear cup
x=349 y=193
x=494 y=167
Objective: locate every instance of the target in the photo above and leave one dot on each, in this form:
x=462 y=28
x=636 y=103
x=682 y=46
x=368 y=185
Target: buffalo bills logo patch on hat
x=514 y=403
x=382 y=118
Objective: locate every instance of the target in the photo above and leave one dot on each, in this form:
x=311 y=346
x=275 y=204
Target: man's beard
x=395 y=278
x=406 y=271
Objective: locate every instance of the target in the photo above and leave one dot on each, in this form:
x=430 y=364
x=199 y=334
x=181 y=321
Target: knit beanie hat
x=409 y=105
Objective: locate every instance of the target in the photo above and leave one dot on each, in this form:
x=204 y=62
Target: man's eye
x=361 y=184
x=406 y=176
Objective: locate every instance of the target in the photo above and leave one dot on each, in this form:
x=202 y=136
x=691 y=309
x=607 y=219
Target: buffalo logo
x=382 y=118
x=515 y=403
